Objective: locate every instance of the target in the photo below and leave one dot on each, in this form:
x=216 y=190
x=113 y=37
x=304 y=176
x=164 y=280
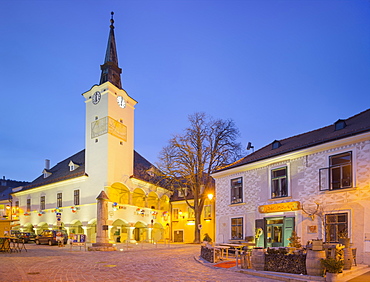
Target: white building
x=317 y=183
x=139 y=206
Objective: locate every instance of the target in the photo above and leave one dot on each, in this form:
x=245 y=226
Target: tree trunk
x=197 y=214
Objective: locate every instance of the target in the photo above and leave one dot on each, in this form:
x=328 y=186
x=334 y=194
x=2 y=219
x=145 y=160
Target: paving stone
x=145 y=262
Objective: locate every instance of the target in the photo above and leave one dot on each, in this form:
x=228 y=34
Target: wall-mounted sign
x=282 y=207
x=312 y=229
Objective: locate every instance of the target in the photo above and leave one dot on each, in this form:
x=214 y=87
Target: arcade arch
x=119 y=231
x=152 y=200
x=164 y=203
x=140 y=232
x=138 y=198
x=119 y=193
x=76 y=227
x=157 y=232
x=91 y=231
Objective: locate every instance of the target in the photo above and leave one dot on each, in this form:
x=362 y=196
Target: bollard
x=236 y=256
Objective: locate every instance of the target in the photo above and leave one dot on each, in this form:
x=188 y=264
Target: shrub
x=332 y=265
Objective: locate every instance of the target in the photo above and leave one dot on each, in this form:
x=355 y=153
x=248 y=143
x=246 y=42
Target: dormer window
x=276 y=144
x=73 y=166
x=46 y=173
x=183 y=192
x=340 y=124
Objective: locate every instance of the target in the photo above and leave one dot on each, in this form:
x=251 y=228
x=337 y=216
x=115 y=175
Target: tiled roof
x=355 y=125
x=62 y=172
x=146 y=171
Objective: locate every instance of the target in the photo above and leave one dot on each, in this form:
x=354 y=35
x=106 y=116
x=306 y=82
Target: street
x=143 y=262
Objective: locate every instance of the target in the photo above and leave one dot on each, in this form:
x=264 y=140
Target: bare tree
x=189 y=159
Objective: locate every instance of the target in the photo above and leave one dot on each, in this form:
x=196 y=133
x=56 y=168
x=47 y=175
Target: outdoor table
x=5 y=244
x=223 y=249
x=249 y=244
x=235 y=246
x=17 y=245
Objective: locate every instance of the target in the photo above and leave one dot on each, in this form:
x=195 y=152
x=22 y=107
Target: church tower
x=109 y=131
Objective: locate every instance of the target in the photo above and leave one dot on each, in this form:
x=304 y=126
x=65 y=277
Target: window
x=76 y=197
x=59 y=200
x=191 y=213
x=207 y=211
x=237 y=228
x=276 y=144
x=28 y=205
x=237 y=190
x=73 y=166
x=341 y=170
x=279 y=183
x=336 y=226
x=182 y=192
x=175 y=214
x=42 y=202
x=340 y=124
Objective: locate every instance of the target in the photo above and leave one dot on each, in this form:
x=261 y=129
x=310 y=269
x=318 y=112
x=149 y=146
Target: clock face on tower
x=121 y=102
x=96 y=97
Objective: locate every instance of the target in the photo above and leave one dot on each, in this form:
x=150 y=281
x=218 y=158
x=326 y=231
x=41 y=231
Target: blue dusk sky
x=278 y=68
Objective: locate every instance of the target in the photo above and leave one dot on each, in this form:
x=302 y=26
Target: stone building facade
x=316 y=183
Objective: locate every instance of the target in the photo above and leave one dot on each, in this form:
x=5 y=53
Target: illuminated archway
x=140 y=231
x=119 y=193
x=152 y=200
x=164 y=203
x=138 y=198
x=119 y=231
x=158 y=232
x=76 y=227
x=91 y=231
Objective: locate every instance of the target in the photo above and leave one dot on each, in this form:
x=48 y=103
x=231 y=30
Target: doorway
x=274 y=231
x=178 y=236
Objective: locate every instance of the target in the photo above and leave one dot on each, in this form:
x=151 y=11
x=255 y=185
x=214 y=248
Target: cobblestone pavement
x=145 y=262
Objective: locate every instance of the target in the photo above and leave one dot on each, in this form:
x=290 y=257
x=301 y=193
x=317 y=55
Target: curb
x=288 y=277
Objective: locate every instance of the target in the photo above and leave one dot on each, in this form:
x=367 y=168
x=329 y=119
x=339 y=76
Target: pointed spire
x=110 y=70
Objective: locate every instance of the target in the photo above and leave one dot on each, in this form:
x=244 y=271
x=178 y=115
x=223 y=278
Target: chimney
x=47 y=164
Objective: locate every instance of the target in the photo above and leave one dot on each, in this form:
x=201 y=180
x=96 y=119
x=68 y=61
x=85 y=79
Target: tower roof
x=110 y=70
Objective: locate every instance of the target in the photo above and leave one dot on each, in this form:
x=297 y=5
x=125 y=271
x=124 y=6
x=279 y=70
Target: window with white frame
x=28 y=205
x=237 y=228
x=279 y=182
x=182 y=192
x=237 y=190
x=42 y=202
x=336 y=226
x=175 y=214
x=76 y=197
x=341 y=170
x=191 y=213
x=59 y=200
x=207 y=211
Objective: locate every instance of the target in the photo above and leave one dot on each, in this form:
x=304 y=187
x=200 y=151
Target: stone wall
x=206 y=252
x=290 y=263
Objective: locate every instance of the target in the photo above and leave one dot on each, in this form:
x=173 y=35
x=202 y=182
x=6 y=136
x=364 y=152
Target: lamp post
x=210 y=197
x=10 y=208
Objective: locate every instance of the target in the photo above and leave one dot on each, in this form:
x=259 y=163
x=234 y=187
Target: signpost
x=78 y=240
x=59 y=219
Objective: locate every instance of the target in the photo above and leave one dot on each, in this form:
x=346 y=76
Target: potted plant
x=207 y=238
x=333 y=267
x=295 y=242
